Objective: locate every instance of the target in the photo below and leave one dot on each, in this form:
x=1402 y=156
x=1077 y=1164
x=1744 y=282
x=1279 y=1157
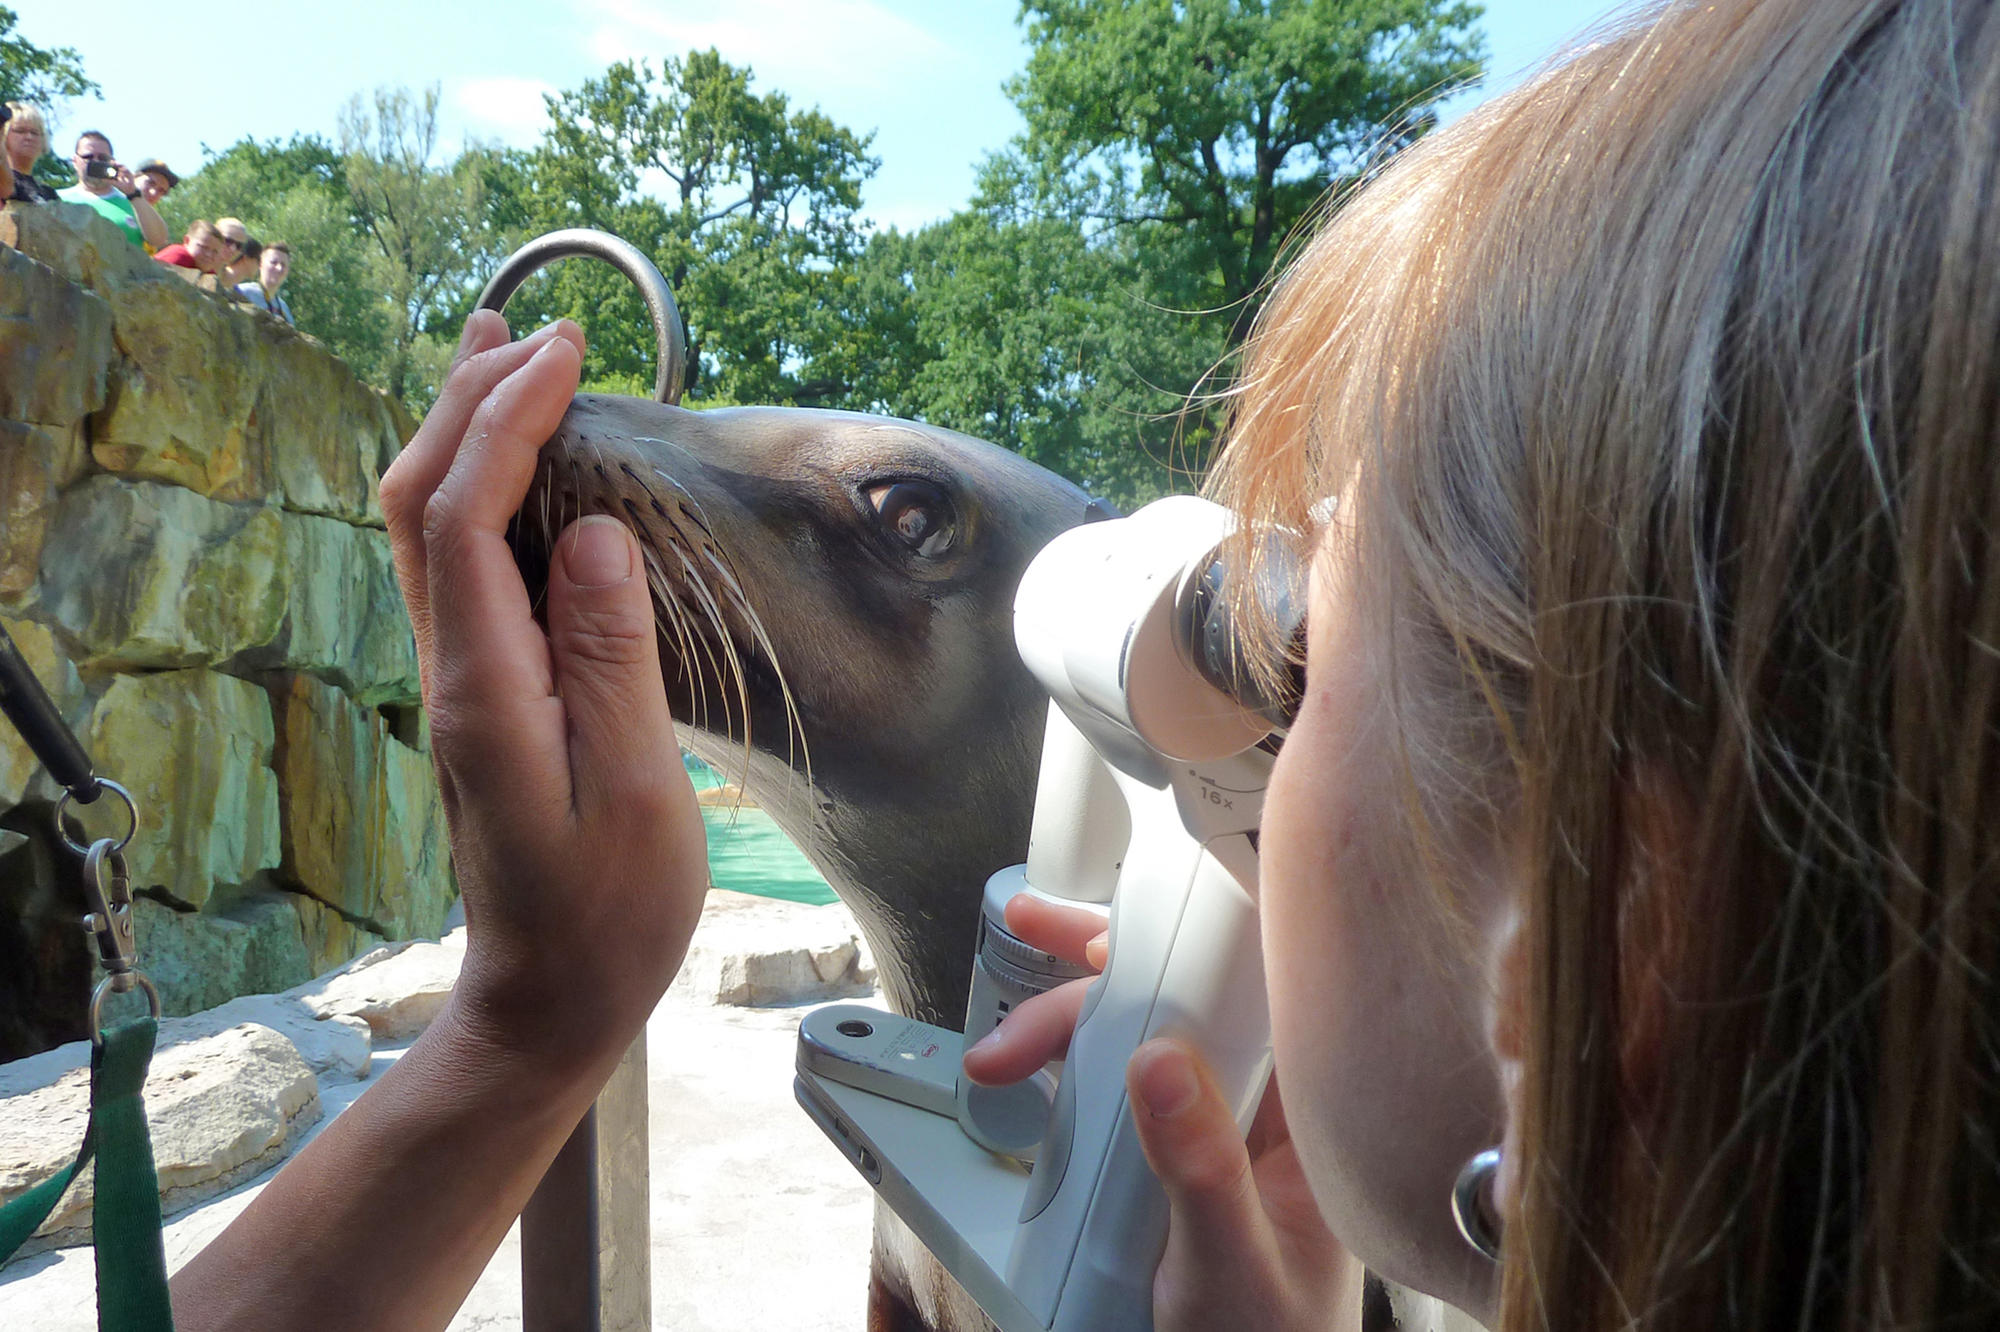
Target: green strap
x=125 y=1219
x=125 y=1216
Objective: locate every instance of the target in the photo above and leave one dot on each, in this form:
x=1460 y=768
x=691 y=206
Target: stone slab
x=756 y=951
x=222 y=1109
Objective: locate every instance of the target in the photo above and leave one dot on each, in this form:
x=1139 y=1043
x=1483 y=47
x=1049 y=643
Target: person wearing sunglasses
x=105 y=184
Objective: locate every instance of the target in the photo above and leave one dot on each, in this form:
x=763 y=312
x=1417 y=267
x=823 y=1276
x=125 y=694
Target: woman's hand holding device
x=1246 y=1243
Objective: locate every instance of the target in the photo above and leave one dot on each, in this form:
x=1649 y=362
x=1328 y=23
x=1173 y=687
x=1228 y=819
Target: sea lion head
x=835 y=599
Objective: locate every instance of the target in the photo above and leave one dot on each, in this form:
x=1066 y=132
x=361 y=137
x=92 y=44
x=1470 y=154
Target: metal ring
x=131 y=811
x=108 y=986
x=669 y=334
x=1469 y=1206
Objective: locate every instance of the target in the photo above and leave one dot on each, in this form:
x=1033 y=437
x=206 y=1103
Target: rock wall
x=192 y=559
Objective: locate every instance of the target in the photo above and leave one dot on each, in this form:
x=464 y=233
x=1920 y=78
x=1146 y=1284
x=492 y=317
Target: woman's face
x=1380 y=1009
x=24 y=145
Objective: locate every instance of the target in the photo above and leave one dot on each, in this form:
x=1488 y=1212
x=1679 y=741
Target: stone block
x=149 y=576
x=55 y=342
x=336 y=1046
x=221 y=1109
x=331 y=939
x=180 y=408
x=397 y=994
x=200 y=959
x=345 y=622
x=78 y=244
x=757 y=951
x=325 y=432
x=21 y=774
x=35 y=464
x=194 y=748
x=364 y=826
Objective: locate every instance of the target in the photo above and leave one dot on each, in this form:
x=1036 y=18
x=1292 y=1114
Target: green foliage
x=46 y=77
x=1089 y=306
x=426 y=233
x=42 y=76
x=747 y=205
x=296 y=192
x=1021 y=332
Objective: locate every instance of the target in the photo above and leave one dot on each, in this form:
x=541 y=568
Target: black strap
x=34 y=715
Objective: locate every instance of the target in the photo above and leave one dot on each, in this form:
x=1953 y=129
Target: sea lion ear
x=1100 y=510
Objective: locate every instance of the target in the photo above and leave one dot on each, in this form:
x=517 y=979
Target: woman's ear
x=1654 y=911
x=1653 y=914
x=1508 y=1031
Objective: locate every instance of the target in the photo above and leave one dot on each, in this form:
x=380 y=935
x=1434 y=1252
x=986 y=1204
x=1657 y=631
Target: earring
x=1470 y=1206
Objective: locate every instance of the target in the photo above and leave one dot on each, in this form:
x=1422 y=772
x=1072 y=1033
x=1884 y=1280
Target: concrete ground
x=756 y=1220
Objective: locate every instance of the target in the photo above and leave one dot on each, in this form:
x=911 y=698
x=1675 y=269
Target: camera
x=1157 y=753
x=99 y=169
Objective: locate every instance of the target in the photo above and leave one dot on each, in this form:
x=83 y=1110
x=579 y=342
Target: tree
x=747 y=205
x=296 y=192
x=46 y=77
x=1223 y=122
x=1004 y=329
x=426 y=231
x=1116 y=254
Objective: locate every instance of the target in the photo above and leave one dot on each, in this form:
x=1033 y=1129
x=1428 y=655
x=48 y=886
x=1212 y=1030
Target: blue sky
x=925 y=75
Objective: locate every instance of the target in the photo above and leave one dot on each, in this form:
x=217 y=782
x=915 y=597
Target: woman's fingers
x=485 y=358
x=1190 y=1139
x=1072 y=933
x=1034 y=1033
x=492 y=697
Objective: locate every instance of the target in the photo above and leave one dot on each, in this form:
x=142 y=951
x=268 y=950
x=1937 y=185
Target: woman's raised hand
x=575 y=834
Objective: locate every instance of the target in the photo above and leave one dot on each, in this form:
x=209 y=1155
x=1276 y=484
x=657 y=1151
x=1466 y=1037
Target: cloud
x=817 y=50
x=507 y=109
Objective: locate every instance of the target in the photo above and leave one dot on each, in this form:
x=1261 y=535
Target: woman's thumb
x=606 y=658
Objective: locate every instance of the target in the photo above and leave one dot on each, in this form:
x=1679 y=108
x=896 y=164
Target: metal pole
x=586 y=1234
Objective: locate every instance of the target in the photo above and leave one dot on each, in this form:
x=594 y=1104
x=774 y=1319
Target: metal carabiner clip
x=107 y=887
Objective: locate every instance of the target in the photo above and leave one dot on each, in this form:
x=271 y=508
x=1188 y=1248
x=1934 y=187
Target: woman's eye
x=916 y=513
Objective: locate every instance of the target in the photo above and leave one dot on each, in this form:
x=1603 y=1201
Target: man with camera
x=106 y=185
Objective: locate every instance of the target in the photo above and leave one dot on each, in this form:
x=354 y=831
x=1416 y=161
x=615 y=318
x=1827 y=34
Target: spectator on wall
x=247 y=264
x=203 y=250
x=235 y=238
x=105 y=184
x=27 y=138
x=273 y=267
x=155 y=179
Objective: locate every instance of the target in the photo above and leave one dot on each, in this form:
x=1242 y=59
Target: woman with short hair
x=27 y=138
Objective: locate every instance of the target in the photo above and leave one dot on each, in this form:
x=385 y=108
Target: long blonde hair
x=1663 y=397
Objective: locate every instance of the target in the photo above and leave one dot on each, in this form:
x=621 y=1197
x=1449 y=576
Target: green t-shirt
x=113 y=205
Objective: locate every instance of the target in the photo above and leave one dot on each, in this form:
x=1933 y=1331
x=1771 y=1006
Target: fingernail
x=599 y=554
x=1165 y=1079
x=990 y=1041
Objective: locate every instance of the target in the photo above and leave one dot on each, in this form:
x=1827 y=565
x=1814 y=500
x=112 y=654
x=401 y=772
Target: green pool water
x=747 y=853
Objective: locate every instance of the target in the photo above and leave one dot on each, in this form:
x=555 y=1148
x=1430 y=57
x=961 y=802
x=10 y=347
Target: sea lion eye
x=916 y=513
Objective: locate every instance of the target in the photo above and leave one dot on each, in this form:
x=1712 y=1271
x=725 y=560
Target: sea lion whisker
x=693 y=646
x=797 y=748
x=667 y=610
x=731 y=666
x=723 y=663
